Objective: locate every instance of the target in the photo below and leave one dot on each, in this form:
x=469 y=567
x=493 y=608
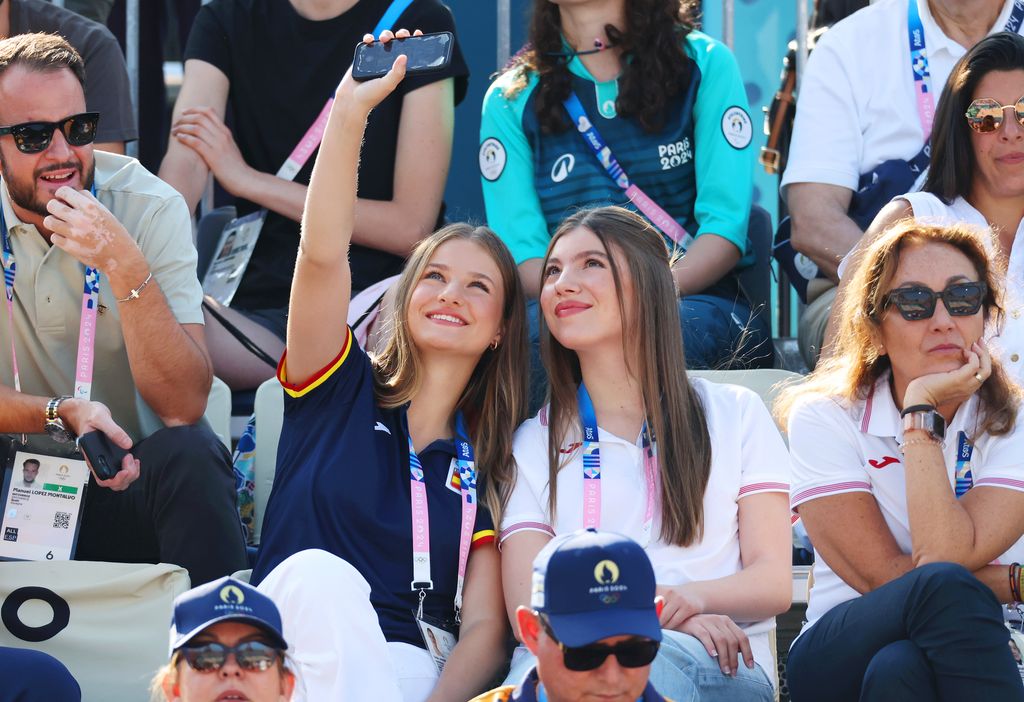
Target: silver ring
x=977 y=376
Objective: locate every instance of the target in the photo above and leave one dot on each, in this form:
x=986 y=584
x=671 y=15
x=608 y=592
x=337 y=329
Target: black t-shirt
x=107 y=90
x=282 y=68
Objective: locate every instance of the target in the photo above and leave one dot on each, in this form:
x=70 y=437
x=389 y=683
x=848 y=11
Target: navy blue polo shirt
x=342 y=485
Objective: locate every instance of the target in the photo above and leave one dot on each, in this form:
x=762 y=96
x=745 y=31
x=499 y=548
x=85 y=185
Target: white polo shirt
x=1009 y=342
x=857 y=106
x=837 y=449
x=748 y=458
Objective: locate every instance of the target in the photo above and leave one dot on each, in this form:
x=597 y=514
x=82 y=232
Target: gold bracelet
x=932 y=441
x=134 y=294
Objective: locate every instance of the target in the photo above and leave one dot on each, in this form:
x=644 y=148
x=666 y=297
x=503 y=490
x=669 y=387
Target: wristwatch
x=924 y=417
x=54 y=424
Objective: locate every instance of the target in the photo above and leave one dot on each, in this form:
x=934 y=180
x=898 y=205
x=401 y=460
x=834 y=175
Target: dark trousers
x=181 y=509
x=34 y=676
x=936 y=633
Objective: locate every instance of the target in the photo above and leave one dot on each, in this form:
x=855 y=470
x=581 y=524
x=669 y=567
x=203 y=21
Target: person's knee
x=321 y=574
x=899 y=667
x=190 y=451
x=951 y=590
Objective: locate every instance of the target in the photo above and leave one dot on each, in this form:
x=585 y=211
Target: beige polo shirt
x=48 y=293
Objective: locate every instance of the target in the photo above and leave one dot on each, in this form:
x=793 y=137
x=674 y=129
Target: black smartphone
x=104 y=455
x=427 y=53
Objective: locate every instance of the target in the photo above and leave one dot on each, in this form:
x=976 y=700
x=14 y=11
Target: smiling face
x=937 y=344
x=32 y=179
x=999 y=156
x=578 y=294
x=456 y=305
x=231 y=682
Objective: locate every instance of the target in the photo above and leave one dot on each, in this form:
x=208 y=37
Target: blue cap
x=592 y=585
x=224 y=600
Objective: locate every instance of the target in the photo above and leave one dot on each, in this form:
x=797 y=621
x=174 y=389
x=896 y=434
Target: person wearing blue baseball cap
x=226 y=644
x=592 y=623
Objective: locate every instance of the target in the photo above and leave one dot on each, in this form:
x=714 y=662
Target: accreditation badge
x=42 y=497
x=439 y=638
x=234 y=250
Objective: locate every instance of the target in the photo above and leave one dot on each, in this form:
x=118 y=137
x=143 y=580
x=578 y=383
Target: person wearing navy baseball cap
x=226 y=644
x=592 y=623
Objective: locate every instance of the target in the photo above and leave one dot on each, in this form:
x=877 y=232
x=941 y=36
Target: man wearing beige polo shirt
x=128 y=360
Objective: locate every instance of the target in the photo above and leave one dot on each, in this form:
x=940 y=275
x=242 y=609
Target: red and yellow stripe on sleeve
x=318 y=378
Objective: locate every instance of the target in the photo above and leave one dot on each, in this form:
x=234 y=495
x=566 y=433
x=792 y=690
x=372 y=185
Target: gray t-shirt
x=107 y=90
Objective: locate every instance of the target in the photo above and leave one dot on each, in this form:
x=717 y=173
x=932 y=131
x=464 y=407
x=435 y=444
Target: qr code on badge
x=61 y=520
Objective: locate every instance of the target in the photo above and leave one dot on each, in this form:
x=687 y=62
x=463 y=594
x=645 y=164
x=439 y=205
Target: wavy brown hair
x=673 y=409
x=656 y=70
x=494 y=400
x=855 y=364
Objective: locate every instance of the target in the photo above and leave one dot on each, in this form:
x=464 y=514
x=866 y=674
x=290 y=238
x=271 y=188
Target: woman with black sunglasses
x=976 y=173
x=908 y=472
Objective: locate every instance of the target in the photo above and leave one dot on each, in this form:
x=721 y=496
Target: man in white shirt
x=857 y=109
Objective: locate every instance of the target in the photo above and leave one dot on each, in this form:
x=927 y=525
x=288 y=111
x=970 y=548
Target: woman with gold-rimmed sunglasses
x=976 y=174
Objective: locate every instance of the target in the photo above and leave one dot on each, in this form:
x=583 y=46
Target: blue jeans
x=718 y=333
x=936 y=633
x=682 y=672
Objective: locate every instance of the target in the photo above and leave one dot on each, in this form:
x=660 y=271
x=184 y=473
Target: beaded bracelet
x=908 y=442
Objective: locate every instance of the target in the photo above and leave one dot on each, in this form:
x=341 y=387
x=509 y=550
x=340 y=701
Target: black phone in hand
x=427 y=53
x=104 y=455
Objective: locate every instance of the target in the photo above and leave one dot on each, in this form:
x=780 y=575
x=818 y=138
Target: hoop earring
x=493 y=345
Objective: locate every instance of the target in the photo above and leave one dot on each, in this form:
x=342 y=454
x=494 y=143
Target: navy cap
x=223 y=600
x=592 y=585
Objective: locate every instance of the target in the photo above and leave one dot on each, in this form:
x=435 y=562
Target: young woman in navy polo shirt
x=374 y=528
x=694 y=471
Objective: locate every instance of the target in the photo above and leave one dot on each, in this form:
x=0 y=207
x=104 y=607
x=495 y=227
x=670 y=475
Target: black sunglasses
x=634 y=653
x=918 y=302
x=251 y=656
x=33 y=137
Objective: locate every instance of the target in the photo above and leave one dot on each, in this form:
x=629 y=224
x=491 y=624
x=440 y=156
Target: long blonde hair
x=652 y=340
x=855 y=364
x=494 y=400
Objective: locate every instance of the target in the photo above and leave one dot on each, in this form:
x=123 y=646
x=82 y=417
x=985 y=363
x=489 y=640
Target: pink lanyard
x=464 y=463
x=592 y=468
x=87 y=329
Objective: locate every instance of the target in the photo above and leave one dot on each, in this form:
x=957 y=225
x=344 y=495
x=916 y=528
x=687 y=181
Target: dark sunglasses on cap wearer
x=211 y=657
x=33 y=137
x=985 y=115
x=634 y=653
x=917 y=302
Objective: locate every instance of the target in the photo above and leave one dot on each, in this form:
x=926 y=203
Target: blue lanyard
x=592 y=468
x=919 y=59
x=964 y=473
x=657 y=216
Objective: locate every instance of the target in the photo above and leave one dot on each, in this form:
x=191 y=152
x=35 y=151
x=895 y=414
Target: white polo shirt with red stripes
x=839 y=449
x=748 y=458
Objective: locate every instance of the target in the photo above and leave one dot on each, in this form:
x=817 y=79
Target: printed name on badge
x=737 y=128
x=492 y=159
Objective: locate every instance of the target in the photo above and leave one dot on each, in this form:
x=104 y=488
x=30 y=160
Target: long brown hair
x=855 y=364
x=674 y=412
x=494 y=400
x=952 y=168
x=656 y=71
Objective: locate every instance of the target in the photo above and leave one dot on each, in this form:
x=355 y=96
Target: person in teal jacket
x=669 y=104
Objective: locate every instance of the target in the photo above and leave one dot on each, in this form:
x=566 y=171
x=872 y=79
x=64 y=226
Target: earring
x=494 y=345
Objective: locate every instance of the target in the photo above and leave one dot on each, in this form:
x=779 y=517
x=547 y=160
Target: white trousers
x=334 y=637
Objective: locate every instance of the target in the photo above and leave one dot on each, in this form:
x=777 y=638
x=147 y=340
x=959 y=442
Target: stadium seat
x=269 y=417
x=766 y=382
x=757 y=279
x=208 y=232
x=218 y=411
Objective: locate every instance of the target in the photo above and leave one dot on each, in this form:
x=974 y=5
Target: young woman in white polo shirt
x=377 y=529
x=908 y=472
x=977 y=172
x=694 y=471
